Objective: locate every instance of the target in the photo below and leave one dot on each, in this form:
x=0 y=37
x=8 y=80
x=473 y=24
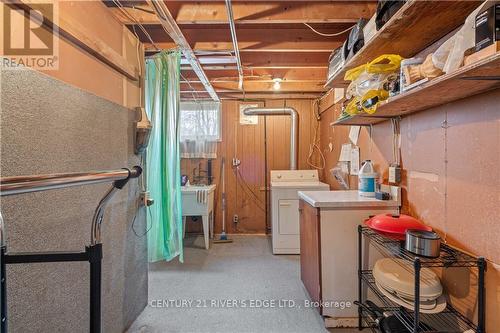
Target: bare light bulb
x=277 y=84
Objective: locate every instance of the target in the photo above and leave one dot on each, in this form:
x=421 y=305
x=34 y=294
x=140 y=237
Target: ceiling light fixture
x=277 y=84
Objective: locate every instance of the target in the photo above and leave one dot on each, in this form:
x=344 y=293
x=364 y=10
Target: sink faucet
x=198 y=179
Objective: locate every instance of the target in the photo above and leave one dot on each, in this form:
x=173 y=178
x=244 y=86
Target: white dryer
x=285 y=206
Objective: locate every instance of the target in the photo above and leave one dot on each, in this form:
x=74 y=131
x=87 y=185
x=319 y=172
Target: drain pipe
x=294 y=130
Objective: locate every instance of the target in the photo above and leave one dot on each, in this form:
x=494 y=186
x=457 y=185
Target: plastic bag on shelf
x=353 y=107
x=386 y=63
x=453 y=50
x=367 y=103
x=371 y=100
x=370 y=83
x=364 y=83
x=440 y=56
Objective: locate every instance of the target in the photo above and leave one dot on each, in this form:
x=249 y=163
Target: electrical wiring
x=143 y=10
x=138 y=53
x=193 y=91
x=142 y=186
x=122 y=9
x=249 y=190
x=317 y=113
x=147 y=228
x=315 y=144
x=328 y=35
x=370 y=133
x=396 y=140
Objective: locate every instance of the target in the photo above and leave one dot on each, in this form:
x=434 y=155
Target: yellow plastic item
x=386 y=63
x=353 y=107
x=380 y=94
x=357 y=105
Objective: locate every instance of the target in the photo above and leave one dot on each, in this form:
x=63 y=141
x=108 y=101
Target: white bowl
x=397 y=276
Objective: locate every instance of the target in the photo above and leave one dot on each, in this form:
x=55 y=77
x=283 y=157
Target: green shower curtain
x=162 y=156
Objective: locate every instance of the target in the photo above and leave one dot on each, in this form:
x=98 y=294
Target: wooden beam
x=277 y=46
x=257 y=36
x=289 y=60
x=272 y=11
x=173 y=30
x=254 y=96
x=259 y=86
x=277 y=59
x=287 y=74
x=249 y=12
x=72 y=31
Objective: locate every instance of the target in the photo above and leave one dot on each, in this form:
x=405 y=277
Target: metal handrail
x=36 y=183
x=92 y=254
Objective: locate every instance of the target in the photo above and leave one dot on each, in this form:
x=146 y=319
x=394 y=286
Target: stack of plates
x=395 y=278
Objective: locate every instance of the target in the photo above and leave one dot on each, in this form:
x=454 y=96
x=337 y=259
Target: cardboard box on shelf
x=484 y=53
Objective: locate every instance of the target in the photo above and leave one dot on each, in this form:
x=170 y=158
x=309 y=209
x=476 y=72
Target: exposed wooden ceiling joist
x=289 y=60
x=292 y=74
x=269 y=59
x=250 y=12
x=272 y=39
x=259 y=86
x=170 y=27
x=277 y=46
x=257 y=35
x=185 y=96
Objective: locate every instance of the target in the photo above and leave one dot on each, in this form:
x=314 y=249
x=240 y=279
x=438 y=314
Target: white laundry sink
x=190 y=204
x=196 y=204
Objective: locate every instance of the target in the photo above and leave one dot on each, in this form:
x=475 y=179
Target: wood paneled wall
x=245 y=186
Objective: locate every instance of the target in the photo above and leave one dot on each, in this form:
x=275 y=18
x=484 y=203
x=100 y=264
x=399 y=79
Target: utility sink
x=190 y=204
x=196 y=203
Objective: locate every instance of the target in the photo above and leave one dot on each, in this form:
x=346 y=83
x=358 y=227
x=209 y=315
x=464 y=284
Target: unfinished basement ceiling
x=272 y=38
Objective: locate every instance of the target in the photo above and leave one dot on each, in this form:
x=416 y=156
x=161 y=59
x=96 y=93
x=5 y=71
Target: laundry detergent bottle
x=366 y=179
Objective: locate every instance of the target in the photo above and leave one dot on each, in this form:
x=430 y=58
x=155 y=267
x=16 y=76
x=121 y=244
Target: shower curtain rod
x=37 y=183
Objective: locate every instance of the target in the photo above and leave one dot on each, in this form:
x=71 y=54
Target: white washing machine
x=285 y=206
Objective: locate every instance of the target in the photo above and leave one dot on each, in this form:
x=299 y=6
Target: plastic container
x=366 y=179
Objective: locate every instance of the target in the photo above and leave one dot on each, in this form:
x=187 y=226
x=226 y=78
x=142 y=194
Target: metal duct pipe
x=294 y=130
x=232 y=27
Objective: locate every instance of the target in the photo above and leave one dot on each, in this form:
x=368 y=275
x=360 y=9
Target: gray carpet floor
x=241 y=272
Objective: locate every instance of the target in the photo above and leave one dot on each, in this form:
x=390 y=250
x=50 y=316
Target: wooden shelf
x=414 y=27
x=467 y=81
x=357 y=120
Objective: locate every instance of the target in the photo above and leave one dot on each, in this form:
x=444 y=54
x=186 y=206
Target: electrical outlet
x=145 y=199
x=236 y=218
x=394 y=174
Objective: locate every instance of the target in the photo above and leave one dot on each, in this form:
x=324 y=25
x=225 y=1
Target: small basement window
x=200 y=129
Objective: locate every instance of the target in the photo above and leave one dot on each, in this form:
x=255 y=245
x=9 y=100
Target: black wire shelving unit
x=449 y=320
